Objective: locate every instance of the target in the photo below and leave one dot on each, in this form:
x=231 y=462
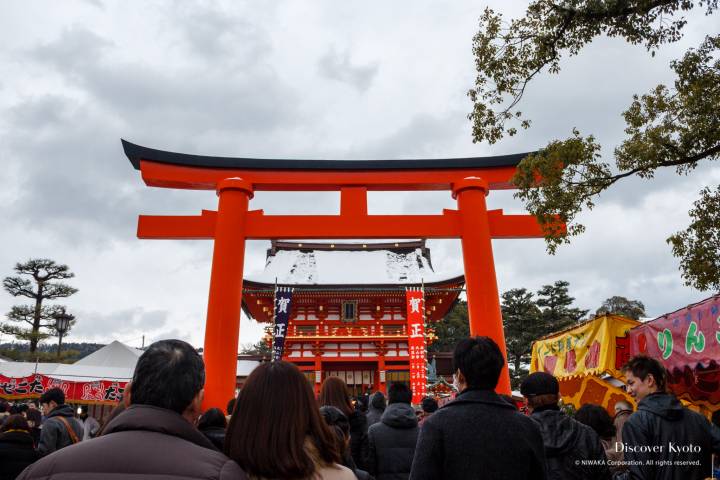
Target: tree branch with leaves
x=675 y=127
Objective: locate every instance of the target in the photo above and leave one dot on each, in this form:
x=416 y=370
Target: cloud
x=338 y=66
x=232 y=78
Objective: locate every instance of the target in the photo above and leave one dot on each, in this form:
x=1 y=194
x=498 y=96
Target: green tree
x=555 y=304
x=37 y=320
x=677 y=126
x=622 y=306
x=522 y=321
x=453 y=328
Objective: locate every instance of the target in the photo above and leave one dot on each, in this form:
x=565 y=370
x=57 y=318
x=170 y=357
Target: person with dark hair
x=4 y=410
x=391 y=442
x=428 y=406
x=16 y=447
x=34 y=419
x=60 y=428
x=597 y=418
x=340 y=425
x=376 y=408
x=334 y=392
x=572 y=450
x=478 y=433
x=662 y=430
x=230 y=407
x=155 y=436
x=212 y=424
x=277 y=432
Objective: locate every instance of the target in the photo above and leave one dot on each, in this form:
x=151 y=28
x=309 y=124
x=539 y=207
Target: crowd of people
x=278 y=429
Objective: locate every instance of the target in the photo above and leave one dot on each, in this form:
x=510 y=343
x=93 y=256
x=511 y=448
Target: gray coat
x=54 y=434
x=478 y=436
x=391 y=443
x=143 y=442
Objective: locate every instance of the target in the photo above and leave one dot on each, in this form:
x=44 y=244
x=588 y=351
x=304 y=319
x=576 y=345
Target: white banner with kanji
x=416 y=343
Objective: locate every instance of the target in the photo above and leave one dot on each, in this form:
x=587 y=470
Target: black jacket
x=54 y=435
x=358 y=436
x=376 y=408
x=573 y=451
x=216 y=435
x=143 y=442
x=16 y=453
x=478 y=436
x=662 y=422
x=391 y=443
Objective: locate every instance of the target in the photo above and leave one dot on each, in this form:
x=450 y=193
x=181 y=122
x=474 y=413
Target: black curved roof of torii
x=136 y=153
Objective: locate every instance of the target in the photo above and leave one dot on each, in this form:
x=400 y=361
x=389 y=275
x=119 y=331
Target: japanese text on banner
x=416 y=343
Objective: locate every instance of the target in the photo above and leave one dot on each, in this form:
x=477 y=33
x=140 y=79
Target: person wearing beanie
x=376 y=408
x=478 y=435
x=572 y=450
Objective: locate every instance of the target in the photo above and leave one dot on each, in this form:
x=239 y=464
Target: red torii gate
x=236 y=179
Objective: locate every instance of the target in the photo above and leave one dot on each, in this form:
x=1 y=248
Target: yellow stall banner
x=589 y=348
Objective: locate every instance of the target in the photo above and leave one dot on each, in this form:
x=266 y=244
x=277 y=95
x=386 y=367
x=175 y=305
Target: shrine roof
x=136 y=153
x=397 y=263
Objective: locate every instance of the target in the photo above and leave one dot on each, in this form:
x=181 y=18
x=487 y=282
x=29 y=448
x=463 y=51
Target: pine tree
x=453 y=328
x=555 y=301
x=43 y=284
x=522 y=320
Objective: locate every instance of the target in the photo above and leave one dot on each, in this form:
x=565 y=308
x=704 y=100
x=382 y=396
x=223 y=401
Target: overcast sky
x=297 y=79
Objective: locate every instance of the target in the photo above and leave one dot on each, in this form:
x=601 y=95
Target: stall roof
x=115 y=361
x=115 y=354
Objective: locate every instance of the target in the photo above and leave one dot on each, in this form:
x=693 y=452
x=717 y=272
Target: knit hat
x=539 y=383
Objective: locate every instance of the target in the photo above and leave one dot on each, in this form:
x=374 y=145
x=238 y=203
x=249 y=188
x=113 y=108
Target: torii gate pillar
x=235 y=180
x=226 y=278
x=480 y=280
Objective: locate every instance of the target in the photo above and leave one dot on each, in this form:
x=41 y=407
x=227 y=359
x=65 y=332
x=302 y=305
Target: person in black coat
x=16 y=447
x=667 y=431
x=573 y=451
x=478 y=435
x=391 y=442
x=213 y=424
x=376 y=408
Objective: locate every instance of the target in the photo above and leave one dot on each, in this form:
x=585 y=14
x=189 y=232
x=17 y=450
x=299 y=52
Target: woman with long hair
x=276 y=431
x=334 y=393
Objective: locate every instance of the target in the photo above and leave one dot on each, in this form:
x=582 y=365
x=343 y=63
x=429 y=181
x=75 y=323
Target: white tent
x=115 y=361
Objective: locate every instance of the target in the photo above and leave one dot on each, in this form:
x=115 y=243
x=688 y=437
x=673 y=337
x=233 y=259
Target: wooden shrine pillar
x=480 y=280
x=224 y=303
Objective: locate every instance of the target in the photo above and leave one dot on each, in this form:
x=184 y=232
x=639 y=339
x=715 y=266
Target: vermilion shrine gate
x=236 y=179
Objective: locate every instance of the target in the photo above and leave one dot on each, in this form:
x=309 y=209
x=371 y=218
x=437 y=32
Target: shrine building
x=348 y=313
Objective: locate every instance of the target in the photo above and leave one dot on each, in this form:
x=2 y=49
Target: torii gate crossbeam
x=236 y=179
